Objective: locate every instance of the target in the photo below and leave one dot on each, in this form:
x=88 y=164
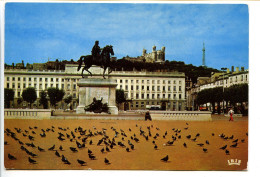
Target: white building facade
x=143 y=89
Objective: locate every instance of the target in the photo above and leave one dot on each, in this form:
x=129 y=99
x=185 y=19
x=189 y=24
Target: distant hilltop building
x=156 y=56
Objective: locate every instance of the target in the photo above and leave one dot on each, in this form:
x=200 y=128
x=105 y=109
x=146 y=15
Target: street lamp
x=223 y=69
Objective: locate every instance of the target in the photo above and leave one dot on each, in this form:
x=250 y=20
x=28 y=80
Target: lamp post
x=223 y=69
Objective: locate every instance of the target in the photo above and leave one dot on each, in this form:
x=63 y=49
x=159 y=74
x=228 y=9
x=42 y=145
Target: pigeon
x=52 y=148
x=207 y=142
x=235 y=141
x=169 y=143
x=186 y=128
x=89 y=151
x=136 y=140
x=99 y=142
x=213 y=134
x=187 y=123
x=132 y=147
x=57 y=154
x=11 y=157
x=205 y=150
x=102 y=150
x=224 y=147
x=243 y=140
x=92 y=157
x=200 y=144
x=43 y=135
x=155 y=147
x=60 y=138
x=73 y=149
x=65 y=160
x=127 y=150
x=32 y=161
x=107 y=149
x=81 y=162
x=234 y=145
x=91 y=142
x=189 y=136
x=227 y=152
x=32 y=154
x=197 y=135
x=194 y=139
x=20 y=142
x=61 y=148
x=23 y=148
x=165 y=159
x=31 y=137
x=231 y=137
x=106 y=161
x=6 y=143
x=185 y=145
x=40 y=149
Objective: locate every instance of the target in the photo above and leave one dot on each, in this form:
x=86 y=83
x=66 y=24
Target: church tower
x=203 y=55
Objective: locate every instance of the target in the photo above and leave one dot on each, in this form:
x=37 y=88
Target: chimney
x=232 y=69
x=228 y=71
x=237 y=69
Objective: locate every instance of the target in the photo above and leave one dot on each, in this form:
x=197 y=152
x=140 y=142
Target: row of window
x=231 y=80
x=154 y=96
x=148 y=81
x=148 y=88
x=40 y=86
x=19 y=95
x=40 y=79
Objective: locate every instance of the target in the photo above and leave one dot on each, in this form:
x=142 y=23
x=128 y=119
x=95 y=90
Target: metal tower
x=203 y=55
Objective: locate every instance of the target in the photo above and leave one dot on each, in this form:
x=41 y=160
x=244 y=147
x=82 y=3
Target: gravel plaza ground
x=142 y=157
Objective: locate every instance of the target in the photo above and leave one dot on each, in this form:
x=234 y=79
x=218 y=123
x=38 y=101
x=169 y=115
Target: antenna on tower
x=203 y=55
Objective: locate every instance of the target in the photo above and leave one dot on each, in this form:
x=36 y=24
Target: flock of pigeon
x=80 y=138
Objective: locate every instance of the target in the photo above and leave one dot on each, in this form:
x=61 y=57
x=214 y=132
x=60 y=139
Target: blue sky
x=35 y=32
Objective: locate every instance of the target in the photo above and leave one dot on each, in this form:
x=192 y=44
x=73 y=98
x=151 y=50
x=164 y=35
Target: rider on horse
x=96 y=52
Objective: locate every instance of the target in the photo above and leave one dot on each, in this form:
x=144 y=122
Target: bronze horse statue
x=103 y=61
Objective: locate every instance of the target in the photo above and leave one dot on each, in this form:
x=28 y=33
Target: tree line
x=53 y=95
x=231 y=96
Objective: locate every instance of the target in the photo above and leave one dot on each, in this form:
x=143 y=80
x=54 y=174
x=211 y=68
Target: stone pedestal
x=99 y=88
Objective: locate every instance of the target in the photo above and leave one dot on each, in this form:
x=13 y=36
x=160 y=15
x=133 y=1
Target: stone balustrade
x=179 y=115
x=27 y=113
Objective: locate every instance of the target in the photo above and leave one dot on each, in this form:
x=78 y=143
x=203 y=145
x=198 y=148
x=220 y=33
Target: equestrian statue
x=100 y=57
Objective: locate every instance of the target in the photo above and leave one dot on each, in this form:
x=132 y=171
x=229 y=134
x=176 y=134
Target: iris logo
x=234 y=162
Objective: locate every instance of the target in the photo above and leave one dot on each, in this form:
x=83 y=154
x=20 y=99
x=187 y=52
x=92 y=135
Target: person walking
x=148 y=116
x=231 y=112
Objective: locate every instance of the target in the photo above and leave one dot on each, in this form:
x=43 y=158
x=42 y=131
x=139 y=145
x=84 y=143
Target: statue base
x=98 y=88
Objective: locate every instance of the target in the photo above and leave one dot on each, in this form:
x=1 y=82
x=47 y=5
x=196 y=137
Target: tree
x=29 y=95
x=19 y=100
x=237 y=94
x=55 y=95
x=120 y=96
x=43 y=99
x=218 y=95
x=68 y=99
x=8 y=96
